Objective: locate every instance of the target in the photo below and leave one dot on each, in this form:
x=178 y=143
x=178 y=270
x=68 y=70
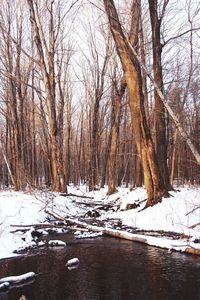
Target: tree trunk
x=155 y=186
x=159 y=108
x=93 y=158
x=17 y=164
x=48 y=76
x=114 y=136
x=95 y=122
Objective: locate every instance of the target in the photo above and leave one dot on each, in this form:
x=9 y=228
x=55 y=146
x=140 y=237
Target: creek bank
x=90 y=228
x=176 y=218
x=181 y=245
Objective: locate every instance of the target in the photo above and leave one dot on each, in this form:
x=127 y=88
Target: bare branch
x=164 y=9
x=180 y=35
x=17 y=44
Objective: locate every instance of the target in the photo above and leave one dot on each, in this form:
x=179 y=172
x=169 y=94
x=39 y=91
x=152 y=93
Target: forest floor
x=175 y=222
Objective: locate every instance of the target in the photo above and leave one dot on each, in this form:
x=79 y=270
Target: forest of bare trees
x=100 y=93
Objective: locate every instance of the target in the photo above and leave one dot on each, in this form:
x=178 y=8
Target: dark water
x=109 y=269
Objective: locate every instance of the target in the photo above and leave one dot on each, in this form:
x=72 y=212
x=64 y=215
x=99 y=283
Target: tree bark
x=114 y=136
x=153 y=180
x=159 y=108
x=175 y=119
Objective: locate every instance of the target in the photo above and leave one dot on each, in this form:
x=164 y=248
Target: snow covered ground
x=179 y=213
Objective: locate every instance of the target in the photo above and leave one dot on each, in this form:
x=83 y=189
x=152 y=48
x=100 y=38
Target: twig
x=190 y=212
x=195 y=225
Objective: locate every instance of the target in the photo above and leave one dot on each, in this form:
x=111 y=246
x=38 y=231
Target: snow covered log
x=17 y=279
x=178 y=245
x=75 y=195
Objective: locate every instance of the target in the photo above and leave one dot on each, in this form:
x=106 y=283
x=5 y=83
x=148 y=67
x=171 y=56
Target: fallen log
x=19 y=278
x=69 y=221
x=19 y=281
x=181 y=245
x=97 y=203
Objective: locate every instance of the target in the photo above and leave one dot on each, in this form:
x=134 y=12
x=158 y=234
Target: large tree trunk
x=153 y=180
x=159 y=108
x=48 y=76
x=171 y=113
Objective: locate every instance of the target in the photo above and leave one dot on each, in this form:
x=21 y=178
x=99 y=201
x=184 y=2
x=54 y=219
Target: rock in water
x=72 y=262
x=56 y=243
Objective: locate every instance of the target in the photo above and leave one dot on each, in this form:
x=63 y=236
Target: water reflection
x=109 y=269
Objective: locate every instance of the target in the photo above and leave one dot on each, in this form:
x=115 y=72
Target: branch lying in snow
x=36 y=226
x=75 y=195
x=187 y=247
x=195 y=225
x=27 y=227
x=190 y=212
x=45 y=225
x=74 y=222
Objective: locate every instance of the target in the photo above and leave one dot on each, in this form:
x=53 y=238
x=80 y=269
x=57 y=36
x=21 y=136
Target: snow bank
x=177 y=214
x=16 y=208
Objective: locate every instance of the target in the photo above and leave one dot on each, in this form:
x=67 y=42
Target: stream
x=109 y=269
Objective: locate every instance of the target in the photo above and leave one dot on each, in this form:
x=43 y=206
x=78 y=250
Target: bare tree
x=15 y=96
x=46 y=54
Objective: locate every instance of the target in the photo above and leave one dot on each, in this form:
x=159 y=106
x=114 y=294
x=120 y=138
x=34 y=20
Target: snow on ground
x=178 y=213
x=16 y=208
